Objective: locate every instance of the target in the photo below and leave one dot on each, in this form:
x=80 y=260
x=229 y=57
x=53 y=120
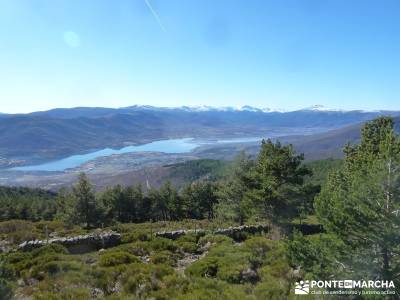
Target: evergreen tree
x=159 y=208
x=201 y=199
x=361 y=201
x=277 y=180
x=233 y=192
x=64 y=206
x=132 y=199
x=86 y=209
x=175 y=203
x=144 y=208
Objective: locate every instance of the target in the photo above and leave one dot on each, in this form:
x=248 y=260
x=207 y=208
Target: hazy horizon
x=315 y=107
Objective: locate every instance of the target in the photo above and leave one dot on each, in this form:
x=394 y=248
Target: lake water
x=165 y=146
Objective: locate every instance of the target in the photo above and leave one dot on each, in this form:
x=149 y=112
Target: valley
x=135 y=144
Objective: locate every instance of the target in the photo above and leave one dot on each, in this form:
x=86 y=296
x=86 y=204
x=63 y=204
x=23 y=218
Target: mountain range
x=46 y=135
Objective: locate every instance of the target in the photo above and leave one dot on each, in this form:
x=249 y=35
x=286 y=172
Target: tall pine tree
x=86 y=209
x=361 y=201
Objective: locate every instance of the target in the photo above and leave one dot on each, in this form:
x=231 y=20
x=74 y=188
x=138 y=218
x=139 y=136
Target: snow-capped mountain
x=248 y=108
x=319 y=107
x=205 y=108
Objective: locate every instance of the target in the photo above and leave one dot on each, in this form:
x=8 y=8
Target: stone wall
x=233 y=232
x=95 y=241
x=238 y=232
x=78 y=244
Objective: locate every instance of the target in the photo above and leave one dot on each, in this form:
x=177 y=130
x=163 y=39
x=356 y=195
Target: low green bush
x=213 y=289
x=6 y=289
x=159 y=244
x=17 y=231
x=188 y=247
x=141 y=279
x=164 y=257
x=49 y=249
x=214 y=239
x=51 y=268
x=190 y=237
x=135 y=236
x=109 y=259
x=271 y=289
x=206 y=267
x=76 y=293
x=137 y=248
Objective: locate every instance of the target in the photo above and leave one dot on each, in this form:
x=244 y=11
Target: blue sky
x=282 y=54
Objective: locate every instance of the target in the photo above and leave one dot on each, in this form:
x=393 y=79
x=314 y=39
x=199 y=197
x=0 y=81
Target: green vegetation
x=238 y=195
x=199 y=168
x=355 y=201
x=150 y=269
x=26 y=204
x=358 y=207
x=321 y=170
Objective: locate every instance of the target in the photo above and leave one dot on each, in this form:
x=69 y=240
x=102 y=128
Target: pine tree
x=86 y=210
x=277 y=180
x=132 y=199
x=234 y=202
x=361 y=201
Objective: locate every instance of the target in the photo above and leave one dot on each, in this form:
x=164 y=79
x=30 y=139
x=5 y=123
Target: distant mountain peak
x=319 y=107
x=207 y=108
x=248 y=108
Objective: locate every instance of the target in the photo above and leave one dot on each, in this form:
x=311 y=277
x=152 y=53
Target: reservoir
x=166 y=146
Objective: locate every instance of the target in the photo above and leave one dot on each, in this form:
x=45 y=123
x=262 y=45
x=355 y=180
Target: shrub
x=164 y=257
x=17 y=231
x=205 y=289
x=138 y=248
x=214 y=239
x=240 y=236
x=6 y=277
x=6 y=289
x=259 y=246
x=190 y=237
x=206 y=267
x=16 y=257
x=188 y=247
x=224 y=261
x=271 y=289
x=135 y=236
x=163 y=244
x=172 y=286
x=19 y=261
x=140 y=279
x=53 y=267
x=49 y=249
x=110 y=259
x=63 y=294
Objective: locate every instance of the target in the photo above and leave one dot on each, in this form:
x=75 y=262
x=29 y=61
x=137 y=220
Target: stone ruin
x=233 y=232
x=101 y=240
x=237 y=233
x=78 y=244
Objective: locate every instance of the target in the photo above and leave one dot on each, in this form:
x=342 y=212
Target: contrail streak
x=155 y=15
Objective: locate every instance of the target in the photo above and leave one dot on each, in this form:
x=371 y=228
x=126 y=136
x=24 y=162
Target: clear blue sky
x=281 y=54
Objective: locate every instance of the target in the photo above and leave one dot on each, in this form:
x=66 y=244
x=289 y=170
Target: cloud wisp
x=155 y=15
